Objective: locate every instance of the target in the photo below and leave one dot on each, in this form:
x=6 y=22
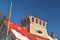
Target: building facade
x=36 y=26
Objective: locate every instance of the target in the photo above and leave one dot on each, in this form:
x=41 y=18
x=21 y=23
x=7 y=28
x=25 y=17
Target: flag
x=21 y=33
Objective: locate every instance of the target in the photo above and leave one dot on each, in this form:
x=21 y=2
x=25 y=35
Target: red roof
x=22 y=31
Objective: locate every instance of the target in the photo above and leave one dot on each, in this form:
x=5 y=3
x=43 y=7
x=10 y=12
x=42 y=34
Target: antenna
x=9 y=20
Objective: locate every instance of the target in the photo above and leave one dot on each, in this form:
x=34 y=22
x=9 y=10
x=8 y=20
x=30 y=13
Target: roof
x=21 y=32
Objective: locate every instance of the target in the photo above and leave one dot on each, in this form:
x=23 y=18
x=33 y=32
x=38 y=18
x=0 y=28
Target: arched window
x=32 y=19
x=43 y=23
x=36 y=20
x=40 y=22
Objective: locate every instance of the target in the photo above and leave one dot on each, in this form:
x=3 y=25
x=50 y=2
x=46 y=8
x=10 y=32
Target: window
x=40 y=22
x=36 y=20
x=32 y=19
x=39 y=31
x=43 y=23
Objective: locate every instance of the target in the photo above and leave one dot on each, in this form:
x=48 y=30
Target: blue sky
x=48 y=10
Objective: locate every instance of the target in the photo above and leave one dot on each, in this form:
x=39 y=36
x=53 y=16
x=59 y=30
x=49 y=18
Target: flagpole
x=9 y=20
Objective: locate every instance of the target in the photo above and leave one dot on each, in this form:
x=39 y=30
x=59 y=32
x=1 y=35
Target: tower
x=35 y=26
